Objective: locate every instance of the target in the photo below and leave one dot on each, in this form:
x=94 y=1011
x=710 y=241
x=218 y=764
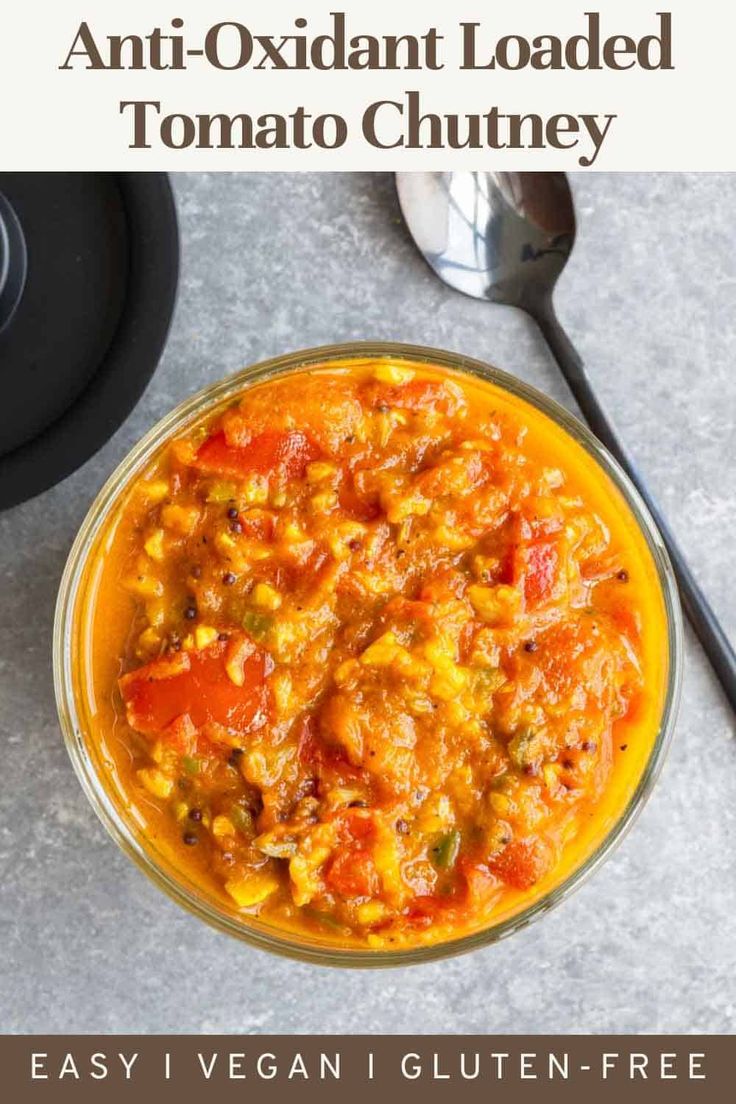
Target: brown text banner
x=59 y=1069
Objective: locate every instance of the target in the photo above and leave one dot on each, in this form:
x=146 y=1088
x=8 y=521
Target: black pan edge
x=131 y=358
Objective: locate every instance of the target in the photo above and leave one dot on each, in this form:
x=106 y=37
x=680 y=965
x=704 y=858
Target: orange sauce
x=374 y=654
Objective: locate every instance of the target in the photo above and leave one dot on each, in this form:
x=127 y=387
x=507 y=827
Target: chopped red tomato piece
x=357 y=825
x=522 y=863
x=425 y=910
x=418 y=394
x=359 y=504
x=326 y=409
x=286 y=453
x=538 y=570
x=480 y=881
x=328 y=760
x=196 y=685
x=181 y=734
x=257 y=525
x=443 y=585
x=307 y=747
x=412 y=614
x=353 y=874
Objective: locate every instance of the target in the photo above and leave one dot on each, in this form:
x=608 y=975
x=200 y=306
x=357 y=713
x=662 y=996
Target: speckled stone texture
x=277 y=262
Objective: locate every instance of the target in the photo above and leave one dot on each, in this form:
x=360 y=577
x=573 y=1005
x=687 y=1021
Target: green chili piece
x=242 y=819
x=190 y=765
x=323 y=918
x=257 y=624
x=446 y=850
x=526 y=747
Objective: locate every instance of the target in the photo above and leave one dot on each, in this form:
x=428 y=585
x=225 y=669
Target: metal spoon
x=506 y=237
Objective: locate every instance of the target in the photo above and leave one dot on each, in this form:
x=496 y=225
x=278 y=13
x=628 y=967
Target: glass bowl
x=69 y=643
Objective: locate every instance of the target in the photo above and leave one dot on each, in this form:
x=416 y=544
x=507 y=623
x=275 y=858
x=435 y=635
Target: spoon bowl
x=505 y=237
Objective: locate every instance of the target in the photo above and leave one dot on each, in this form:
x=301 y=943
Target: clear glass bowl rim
x=191 y=409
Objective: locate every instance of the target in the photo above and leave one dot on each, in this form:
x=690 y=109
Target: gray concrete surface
x=277 y=262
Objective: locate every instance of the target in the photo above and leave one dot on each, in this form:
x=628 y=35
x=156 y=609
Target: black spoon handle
x=702 y=618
